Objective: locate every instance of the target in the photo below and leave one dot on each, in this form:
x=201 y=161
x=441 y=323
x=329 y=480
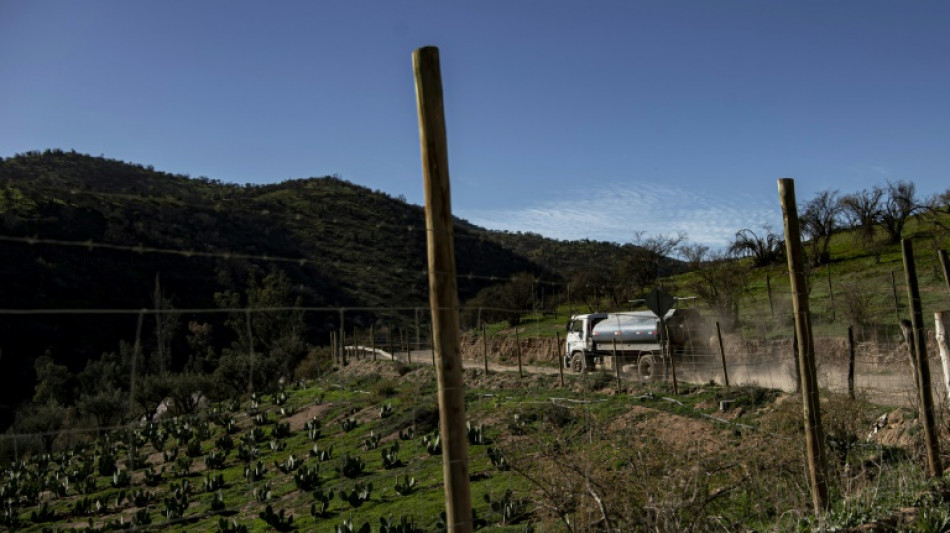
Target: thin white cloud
x=615 y=213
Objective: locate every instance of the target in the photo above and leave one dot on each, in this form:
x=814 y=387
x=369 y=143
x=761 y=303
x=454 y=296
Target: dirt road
x=888 y=386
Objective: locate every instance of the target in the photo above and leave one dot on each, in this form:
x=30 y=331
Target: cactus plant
x=406 y=486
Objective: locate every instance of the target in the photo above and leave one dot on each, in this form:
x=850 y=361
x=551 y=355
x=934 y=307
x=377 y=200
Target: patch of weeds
x=558 y=416
x=748 y=395
x=384 y=388
x=595 y=381
x=365 y=381
x=932 y=520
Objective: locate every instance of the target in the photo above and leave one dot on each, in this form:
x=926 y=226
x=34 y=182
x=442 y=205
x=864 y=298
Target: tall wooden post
x=343 y=351
x=485 y=348
x=342 y=340
x=851 y=362
x=942 y=319
x=814 y=435
x=560 y=359
x=372 y=340
x=518 y=346
x=907 y=328
x=923 y=365
x=668 y=347
x=389 y=341
x=336 y=358
x=616 y=363
x=945 y=265
x=722 y=356
x=443 y=289
x=798 y=365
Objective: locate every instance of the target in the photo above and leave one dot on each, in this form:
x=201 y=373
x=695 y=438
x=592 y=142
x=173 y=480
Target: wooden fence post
x=518 y=346
x=942 y=319
x=798 y=365
x=814 y=434
x=851 y=362
x=668 y=347
x=945 y=265
x=389 y=341
x=923 y=365
x=557 y=355
x=372 y=340
x=333 y=346
x=485 y=348
x=907 y=328
x=341 y=338
x=768 y=289
x=616 y=364
x=443 y=289
x=722 y=356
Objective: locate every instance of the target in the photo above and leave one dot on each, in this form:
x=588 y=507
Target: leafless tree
x=721 y=282
x=694 y=254
x=820 y=219
x=900 y=205
x=935 y=214
x=863 y=211
x=642 y=264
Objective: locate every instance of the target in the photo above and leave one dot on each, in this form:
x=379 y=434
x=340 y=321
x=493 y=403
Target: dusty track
x=888 y=386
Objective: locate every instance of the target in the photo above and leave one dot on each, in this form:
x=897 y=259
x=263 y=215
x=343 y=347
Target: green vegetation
x=262 y=429
x=540 y=456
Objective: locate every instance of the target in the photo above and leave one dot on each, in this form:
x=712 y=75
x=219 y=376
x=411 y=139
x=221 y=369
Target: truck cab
x=578 y=341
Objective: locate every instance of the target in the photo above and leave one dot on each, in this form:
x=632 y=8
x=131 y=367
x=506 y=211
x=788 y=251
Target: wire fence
x=273 y=357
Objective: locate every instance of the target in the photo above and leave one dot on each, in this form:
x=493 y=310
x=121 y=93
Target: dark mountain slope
x=83 y=232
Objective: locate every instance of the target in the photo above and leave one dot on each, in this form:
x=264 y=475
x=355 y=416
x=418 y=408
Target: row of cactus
x=190 y=434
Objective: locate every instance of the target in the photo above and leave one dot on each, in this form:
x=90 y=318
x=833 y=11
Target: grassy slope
x=666 y=440
x=853 y=270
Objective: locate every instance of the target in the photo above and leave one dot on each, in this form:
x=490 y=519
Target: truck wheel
x=651 y=367
x=577 y=362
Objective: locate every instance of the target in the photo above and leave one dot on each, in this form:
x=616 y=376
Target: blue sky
x=570 y=119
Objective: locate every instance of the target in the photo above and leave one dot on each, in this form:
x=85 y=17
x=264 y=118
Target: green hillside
x=83 y=232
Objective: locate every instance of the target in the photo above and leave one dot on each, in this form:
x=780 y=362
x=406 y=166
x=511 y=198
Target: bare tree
x=935 y=214
x=767 y=249
x=693 y=254
x=863 y=210
x=643 y=264
x=820 y=220
x=900 y=205
x=721 y=282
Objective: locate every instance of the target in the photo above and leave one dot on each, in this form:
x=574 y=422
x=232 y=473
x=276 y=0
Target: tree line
x=876 y=217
